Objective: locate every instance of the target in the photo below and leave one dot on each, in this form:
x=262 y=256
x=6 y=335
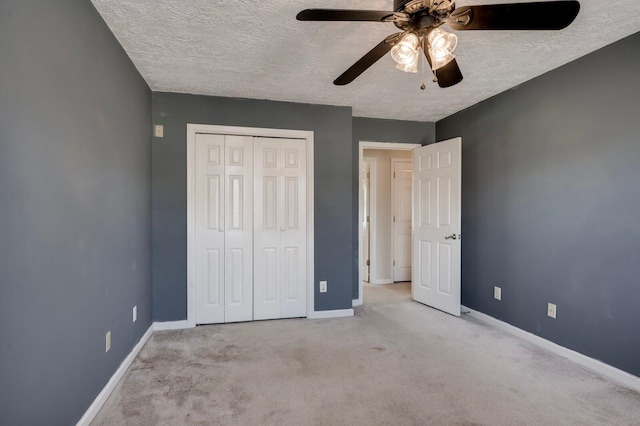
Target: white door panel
x=437 y=224
x=402 y=215
x=294 y=237
x=266 y=237
x=238 y=233
x=280 y=228
x=209 y=228
x=224 y=245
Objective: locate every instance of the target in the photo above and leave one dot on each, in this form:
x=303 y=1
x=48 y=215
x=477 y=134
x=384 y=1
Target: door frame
x=394 y=161
x=373 y=164
x=362 y=145
x=192 y=130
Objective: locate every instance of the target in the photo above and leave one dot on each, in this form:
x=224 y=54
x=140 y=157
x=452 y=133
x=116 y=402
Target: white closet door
x=224 y=228
x=280 y=228
x=238 y=235
x=209 y=228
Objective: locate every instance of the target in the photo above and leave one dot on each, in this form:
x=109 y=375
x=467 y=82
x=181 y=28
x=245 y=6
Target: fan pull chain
x=424 y=59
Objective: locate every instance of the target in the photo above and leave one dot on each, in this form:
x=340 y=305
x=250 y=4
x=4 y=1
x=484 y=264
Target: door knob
x=451 y=237
x=282 y=229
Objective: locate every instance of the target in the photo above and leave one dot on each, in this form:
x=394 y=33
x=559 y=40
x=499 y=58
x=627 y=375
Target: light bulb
x=406 y=52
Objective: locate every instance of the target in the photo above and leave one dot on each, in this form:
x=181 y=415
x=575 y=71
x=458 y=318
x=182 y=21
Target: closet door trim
x=192 y=130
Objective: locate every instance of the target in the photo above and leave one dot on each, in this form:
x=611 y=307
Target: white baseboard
x=102 y=397
x=170 y=325
x=331 y=314
x=382 y=281
x=356 y=302
x=592 y=364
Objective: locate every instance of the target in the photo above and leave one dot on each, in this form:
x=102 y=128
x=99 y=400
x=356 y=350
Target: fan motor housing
x=436 y=7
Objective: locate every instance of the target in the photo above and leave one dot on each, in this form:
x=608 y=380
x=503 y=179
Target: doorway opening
x=385 y=214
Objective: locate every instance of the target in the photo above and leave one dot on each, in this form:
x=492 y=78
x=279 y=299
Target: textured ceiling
x=257 y=49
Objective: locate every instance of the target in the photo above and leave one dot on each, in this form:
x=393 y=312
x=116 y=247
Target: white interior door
x=436 y=236
x=402 y=181
x=280 y=228
x=223 y=229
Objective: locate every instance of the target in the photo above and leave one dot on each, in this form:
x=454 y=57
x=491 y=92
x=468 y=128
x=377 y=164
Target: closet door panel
x=267 y=256
x=280 y=228
x=293 y=237
x=209 y=227
x=238 y=235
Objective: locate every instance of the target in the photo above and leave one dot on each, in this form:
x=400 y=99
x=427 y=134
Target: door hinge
x=394 y=174
x=394 y=218
x=368 y=263
x=368 y=175
x=394 y=263
x=368 y=219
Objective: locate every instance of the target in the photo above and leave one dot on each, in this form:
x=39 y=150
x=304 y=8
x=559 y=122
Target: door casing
x=192 y=130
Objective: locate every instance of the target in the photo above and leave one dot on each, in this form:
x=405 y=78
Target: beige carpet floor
x=395 y=363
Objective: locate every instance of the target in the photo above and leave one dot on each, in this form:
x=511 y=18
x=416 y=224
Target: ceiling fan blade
x=349 y=15
x=550 y=15
x=369 y=59
x=449 y=75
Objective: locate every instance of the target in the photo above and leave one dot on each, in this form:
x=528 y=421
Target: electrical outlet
x=497 y=293
x=323 y=286
x=107 y=342
x=551 y=310
x=159 y=131
x=135 y=313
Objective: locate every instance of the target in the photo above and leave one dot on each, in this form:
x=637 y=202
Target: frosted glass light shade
x=412 y=67
x=406 y=52
x=441 y=46
x=442 y=40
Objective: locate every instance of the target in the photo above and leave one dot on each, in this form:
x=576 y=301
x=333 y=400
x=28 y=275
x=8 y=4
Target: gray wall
x=333 y=189
x=551 y=204
x=74 y=209
x=376 y=130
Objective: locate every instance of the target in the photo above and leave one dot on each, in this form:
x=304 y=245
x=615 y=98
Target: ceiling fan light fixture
x=406 y=52
x=412 y=67
x=441 y=46
x=442 y=40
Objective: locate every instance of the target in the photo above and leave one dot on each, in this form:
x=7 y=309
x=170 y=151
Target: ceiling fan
x=420 y=21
